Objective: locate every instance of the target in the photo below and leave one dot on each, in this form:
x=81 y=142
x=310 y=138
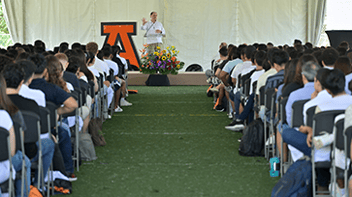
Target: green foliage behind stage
x=5 y=38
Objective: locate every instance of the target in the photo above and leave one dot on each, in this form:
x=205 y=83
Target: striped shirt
x=275 y=80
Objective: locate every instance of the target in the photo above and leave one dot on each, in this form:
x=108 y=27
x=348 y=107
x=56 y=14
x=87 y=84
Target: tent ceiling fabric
x=195 y=27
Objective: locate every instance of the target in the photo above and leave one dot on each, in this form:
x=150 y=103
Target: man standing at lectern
x=154 y=32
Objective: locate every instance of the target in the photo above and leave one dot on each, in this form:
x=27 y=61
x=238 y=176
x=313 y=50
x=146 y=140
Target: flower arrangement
x=161 y=61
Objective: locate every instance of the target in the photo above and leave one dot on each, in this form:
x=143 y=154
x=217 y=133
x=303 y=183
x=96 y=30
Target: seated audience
x=59 y=97
x=334 y=85
x=14 y=77
x=344 y=64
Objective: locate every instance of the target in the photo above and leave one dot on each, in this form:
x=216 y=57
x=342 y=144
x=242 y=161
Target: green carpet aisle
x=171 y=143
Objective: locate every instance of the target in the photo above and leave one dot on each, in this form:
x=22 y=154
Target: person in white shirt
x=154 y=32
x=121 y=62
x=6 y=123
x=248 y=112
x=245 y=67
x=217 y=56
x=33 y=94
x=107 y=55
x=241 y=68
x=262 y=79
x=319 y=96
x=90 y=64
x=102 y=68
x=107 y=59
x=329 y=57
x=335 y=85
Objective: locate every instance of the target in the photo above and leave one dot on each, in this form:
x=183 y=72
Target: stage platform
x=135 y=78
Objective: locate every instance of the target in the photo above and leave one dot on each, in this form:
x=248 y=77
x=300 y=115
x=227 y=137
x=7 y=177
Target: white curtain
x=315 y=21
x=195 y=27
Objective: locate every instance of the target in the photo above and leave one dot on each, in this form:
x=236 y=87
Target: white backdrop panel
x=195 y=27
x=274 y=21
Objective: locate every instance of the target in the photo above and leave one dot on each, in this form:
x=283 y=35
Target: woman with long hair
x=55 y=72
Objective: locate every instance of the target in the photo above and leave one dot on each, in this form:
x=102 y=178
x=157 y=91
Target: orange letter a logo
x=121 y=32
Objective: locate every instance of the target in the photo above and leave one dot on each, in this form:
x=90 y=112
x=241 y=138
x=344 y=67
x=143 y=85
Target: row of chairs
x=36 y=125
x=326 y=122
x=45 y=123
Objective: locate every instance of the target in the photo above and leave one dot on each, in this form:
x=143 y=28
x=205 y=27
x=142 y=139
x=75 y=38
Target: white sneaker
x=125 y=103
x=230 y=115
x=109 y=117
x=118 y=109
x=214 y=89
x=270 y=140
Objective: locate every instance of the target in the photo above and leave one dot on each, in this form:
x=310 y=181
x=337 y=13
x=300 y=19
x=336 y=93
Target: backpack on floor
x=95 y=128
x=252 y=143
x=297 y=181
x=86 y=147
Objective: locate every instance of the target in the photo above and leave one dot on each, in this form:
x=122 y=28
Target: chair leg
x=77 y=142
x=23 y=177
x=52 y=178
x=281 y=157
x=40 y=164
x=265 y=136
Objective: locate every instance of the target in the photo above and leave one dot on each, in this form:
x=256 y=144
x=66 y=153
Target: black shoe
x=236 y=125
x=232 y=123
x=219 y=108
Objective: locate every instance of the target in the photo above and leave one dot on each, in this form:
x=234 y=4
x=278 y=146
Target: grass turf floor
x=172 y=143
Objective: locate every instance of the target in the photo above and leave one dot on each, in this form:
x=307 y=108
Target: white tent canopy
x=195 y=27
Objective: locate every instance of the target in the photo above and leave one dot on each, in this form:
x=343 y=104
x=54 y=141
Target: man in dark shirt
x=14 y=75
x=58 y=96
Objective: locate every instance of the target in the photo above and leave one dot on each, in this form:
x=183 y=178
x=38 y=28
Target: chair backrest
x=75 y=95
x=348 y=129
x=91 y=88
x=44 y=121
x=282 y=109
x=239 y=80
x=32 y=121
x=53 y=113
x=111 y=75
x=247 y=87
x=84 y=88
x=297 y=113
x=4 y=148
x=261 y=95
x=348 y=132
x=101 y=78
x=84 y=95
x=17 y=127
x=254 y=86
x=268 y=97
x=310 y=114
x=324 y=121
x=79 y=93
x=339 y=125
x=273 y=106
